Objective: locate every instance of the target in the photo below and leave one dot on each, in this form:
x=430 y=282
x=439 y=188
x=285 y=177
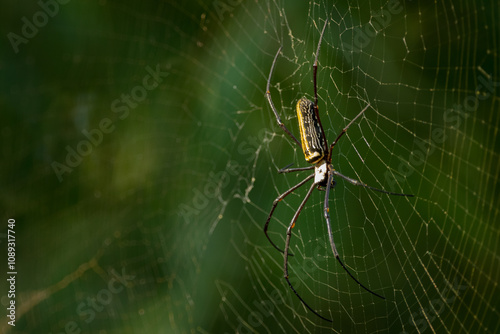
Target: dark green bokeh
x=137 y=203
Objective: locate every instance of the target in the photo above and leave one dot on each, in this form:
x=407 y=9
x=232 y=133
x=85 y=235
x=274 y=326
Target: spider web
x=158 y=229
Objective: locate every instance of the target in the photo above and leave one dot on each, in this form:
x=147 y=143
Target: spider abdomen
x=311 y=133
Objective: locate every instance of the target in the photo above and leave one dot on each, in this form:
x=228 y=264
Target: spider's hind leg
x=326 y=211
x=275 y=204
x=296 y=169
x=364 y=185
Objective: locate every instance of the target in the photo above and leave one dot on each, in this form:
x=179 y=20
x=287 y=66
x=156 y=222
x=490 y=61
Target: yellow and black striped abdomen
x=311 y=132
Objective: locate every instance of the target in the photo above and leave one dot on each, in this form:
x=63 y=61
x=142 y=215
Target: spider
x=317 y=153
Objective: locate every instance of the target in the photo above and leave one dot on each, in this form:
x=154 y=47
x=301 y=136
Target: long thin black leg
x=359 y=183
x=344 y=130
x=287 y=246
x=269 y=99
x=291 y=170
x=326 y=212
x=315 y=65
x=275 y=203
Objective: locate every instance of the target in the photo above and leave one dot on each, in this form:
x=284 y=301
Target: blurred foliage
x=173 y=190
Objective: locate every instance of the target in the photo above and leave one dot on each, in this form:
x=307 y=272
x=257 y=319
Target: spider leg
x=359 y=183
x=315 y=65
x=291 y=170
x=330 y=235
x=275 y=203
x=344 y=130
x=287 y=246
x=269 y=99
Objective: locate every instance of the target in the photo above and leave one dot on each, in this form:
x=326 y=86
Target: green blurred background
x=157 y=226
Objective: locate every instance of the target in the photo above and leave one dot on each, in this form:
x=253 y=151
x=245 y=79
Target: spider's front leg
x=275 y=204
x=270 y=100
